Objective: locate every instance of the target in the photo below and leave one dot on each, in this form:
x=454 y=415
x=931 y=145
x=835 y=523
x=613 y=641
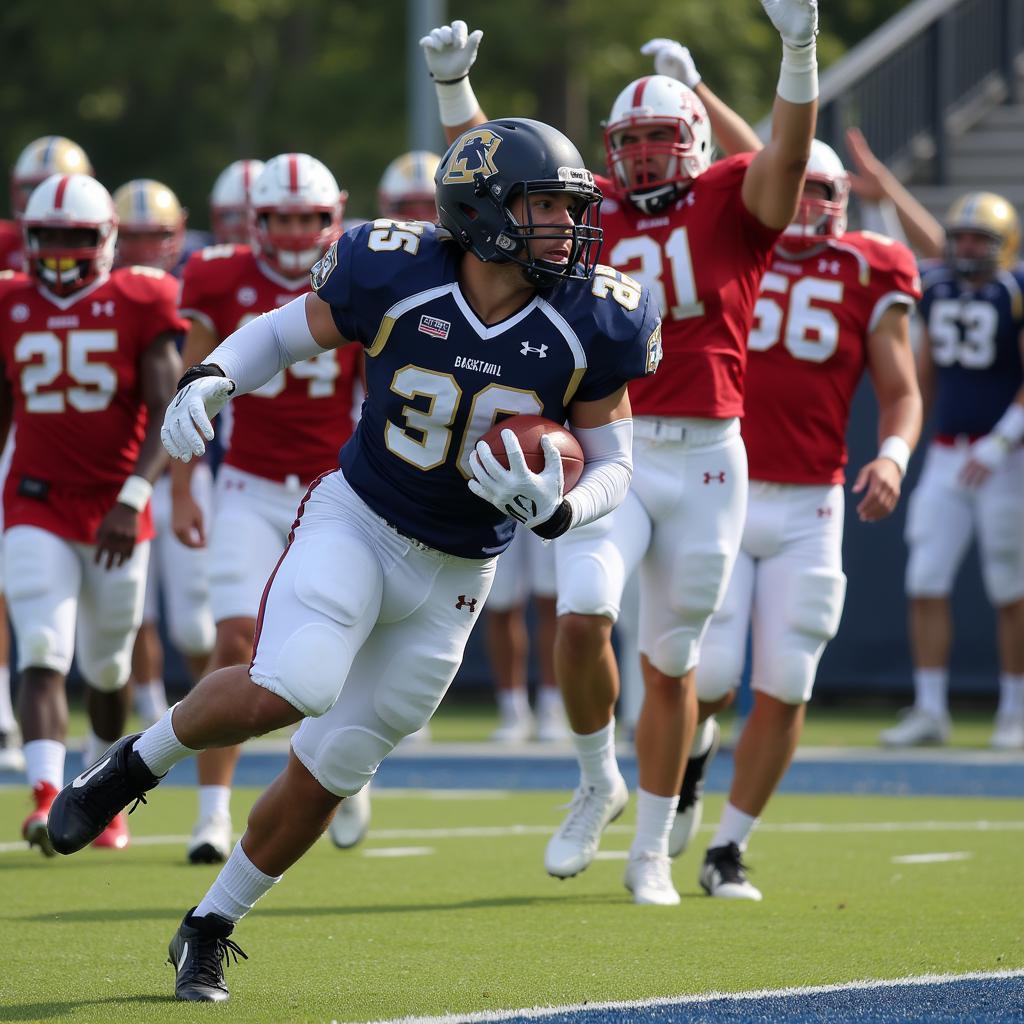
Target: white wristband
x=896 y=449
x=135 y=492
x=456 y=102
x=798 y=75
x=1011 y=424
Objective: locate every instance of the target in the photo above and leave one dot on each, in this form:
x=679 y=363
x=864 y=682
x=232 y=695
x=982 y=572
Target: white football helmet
x=406 y=189
x=654 y=173
x=294 y=183
x=151 y=225
x=52 y=154
x=821 y=217
x=229 y=201
x=70 y=230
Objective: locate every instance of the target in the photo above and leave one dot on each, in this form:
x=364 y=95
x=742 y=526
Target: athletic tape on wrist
x=798 y=74
x=896 y=449
x=135 y=492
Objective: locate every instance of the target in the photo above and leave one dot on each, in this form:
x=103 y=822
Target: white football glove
x=795 y=20
x=450 y=51
x=187 y=425
x=530 y=498
x=672 y=59
x=984 y=457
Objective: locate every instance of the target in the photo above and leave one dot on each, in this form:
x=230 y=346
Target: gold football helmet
x=52 y=154
x=983 y=213
x=151 y=224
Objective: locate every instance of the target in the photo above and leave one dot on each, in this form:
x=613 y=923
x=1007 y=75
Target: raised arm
x=774 y=179
x=875 y=183
x=731 y=132
x=449 y=52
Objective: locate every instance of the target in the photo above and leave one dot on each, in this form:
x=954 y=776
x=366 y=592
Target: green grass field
x=471 y=922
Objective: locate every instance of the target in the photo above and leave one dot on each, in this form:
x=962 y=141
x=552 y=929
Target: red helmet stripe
x=638 y=92
x=293 y=172
x=58 y=199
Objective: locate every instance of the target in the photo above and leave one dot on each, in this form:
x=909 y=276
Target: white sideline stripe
x=540 y=1012
x=504 y=831
x=399 y=851
x=932 y=858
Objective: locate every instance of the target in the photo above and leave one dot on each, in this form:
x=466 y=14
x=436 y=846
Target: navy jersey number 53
x=438 y=378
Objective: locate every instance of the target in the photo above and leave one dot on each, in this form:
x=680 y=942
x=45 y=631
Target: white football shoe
x=917 y=728
x=649 y=878
x=1008 y=733
x=211 y=840
x=351 y=821
x=517 y=728
x=552 y=725
x=573 y=846
x=11 y=757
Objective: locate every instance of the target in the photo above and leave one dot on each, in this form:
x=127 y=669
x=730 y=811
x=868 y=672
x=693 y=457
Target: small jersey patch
x=323 y=269
x=654 y=351
x=434 y=326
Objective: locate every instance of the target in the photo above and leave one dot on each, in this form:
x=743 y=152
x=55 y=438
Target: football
x=529 y=430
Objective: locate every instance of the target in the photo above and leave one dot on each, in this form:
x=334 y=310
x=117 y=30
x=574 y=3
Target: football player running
x=151 y=233
x=973 y=476
x=89 y=364
x=833 y=304
x=295 y=215
x=700 y=236
x=36 y=162
x=366 y=617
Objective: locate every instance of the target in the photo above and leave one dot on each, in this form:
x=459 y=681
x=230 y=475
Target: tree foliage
x=176 y=91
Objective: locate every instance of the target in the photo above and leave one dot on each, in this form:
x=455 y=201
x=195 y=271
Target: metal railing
x=907 y=80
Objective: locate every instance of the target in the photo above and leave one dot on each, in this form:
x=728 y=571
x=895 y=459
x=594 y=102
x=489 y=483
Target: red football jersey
x=295 y=424
x=11 y=245
x=703 y=259
x=808 y=349
x=72 y=366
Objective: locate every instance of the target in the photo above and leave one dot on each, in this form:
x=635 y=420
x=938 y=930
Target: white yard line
x=510 y=831
x=540 y=1012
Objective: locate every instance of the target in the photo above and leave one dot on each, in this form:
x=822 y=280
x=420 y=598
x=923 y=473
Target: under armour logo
x=527 y=348
x=720 y=477
x=824 y=513
x=466 y=602
x=828 y=266
x=521 y=508
x=103 y=308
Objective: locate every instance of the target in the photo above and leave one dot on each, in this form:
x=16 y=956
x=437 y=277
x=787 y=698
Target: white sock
x=703 y=737
x=930 y=691
x=236 y=889
x=159 y=748
x=7 y=722
x=1011 y=694
x=734 y=827
x=549 y=701
x=514 y=705
x=654 y=817
x=44 y=762
x=214 y=801
x=94 y=748
x=596 y=755
x=151 y=696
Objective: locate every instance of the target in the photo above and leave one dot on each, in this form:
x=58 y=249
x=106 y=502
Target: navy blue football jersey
x=438 y=378
x=975 y=345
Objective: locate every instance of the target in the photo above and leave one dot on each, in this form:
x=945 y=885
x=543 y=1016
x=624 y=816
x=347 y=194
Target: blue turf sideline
x=985 y=998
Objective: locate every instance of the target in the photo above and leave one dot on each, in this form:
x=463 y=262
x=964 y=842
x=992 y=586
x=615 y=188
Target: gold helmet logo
x=472 y=154
x=988 y=214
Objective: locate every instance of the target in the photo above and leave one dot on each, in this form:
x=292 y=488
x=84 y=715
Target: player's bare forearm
x=775 y=177
x=893 y=374
x=452 y=132
x=199 y=343
x=731 y=131
x=160 y=370
x=925 y=373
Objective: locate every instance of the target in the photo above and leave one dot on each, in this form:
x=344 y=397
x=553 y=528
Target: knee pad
x=196 y=635
x=719 y=670
x=930 y=569
x=590 y=583
x=311 y=668
x=812 y=617
x=109 y=674
x=347 y=758
x=40 y=646
x=1002 y=552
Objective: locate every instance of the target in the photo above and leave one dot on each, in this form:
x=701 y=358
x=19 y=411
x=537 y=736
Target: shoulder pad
x=145 y=284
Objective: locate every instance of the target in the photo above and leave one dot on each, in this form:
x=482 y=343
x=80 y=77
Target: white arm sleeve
x=607 y=469
x=266 y=345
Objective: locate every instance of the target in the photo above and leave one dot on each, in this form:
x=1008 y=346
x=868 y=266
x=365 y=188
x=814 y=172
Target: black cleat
x=199 y=953
x=723 y=874
x=83 y=809
x=691 y=798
